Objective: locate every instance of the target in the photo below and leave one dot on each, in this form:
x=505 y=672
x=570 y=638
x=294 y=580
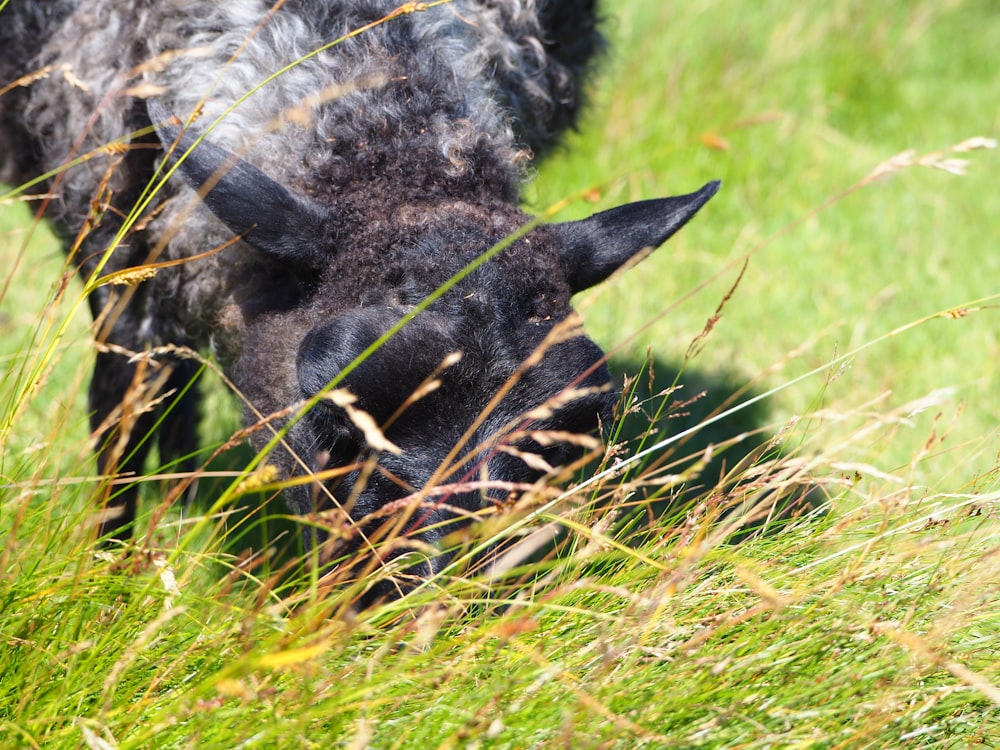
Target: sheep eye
x=316 y=365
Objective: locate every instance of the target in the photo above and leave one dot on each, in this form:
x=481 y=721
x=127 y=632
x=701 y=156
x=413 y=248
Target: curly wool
x=473 y=72
x=443 y=104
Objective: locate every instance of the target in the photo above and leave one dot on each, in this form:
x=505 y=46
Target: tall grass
x=865 y=308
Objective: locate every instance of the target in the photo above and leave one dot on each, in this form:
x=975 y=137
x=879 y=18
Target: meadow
x=837 y=304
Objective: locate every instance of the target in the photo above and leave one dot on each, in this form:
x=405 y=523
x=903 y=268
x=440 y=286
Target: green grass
x=871 y=626
x=810 y=99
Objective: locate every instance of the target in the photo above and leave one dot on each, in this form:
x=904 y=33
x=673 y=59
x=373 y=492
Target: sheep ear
x=594 y=248
x=388 y=376
x=283 y=224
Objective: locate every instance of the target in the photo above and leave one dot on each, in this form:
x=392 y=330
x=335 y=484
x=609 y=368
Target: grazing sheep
x=362 y=154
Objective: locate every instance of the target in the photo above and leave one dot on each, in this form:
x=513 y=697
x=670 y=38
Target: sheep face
x=455 y=415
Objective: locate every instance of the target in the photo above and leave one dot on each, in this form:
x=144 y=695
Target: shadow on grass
x=702 y=448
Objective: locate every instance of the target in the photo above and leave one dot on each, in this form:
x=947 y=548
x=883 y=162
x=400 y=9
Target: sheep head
x=415 y=415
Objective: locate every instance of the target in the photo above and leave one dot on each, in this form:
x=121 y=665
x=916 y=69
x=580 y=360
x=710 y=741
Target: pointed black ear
x=594 y=248
x=272 y=218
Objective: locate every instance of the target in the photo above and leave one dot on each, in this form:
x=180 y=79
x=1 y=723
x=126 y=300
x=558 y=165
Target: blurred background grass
x=790 y=104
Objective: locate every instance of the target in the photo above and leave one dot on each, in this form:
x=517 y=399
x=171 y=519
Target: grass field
x=868 y=310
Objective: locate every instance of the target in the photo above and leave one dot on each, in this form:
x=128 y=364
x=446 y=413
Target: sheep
x=324 y=168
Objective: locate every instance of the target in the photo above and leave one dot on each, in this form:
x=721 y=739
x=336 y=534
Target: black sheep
x=364 y=154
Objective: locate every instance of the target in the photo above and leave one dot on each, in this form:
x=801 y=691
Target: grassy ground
x=872 y=626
